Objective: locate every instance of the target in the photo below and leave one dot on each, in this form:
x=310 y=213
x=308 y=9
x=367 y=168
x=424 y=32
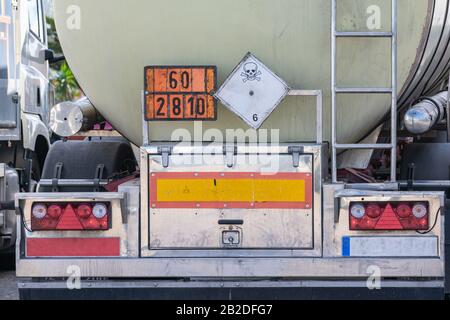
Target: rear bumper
x=233 y=267
x=232 y=278
x=211 y=290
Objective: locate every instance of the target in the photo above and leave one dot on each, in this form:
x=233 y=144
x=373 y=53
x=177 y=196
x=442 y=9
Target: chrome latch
x=165 y=153
x=230 y=152
x=296 y=152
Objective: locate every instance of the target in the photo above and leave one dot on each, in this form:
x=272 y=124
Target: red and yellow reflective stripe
x=231 y=190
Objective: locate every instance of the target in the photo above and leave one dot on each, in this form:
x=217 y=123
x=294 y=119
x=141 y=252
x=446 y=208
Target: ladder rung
x=363 y=90
x=363 y=146
x=363 y=34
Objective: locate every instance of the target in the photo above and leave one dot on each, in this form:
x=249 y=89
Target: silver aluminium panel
x=232 y=231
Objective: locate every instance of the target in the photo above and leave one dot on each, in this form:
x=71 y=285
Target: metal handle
x=231 y=222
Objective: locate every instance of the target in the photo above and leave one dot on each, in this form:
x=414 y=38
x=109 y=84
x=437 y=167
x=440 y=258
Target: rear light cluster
x=388 y=216
x=70 y=216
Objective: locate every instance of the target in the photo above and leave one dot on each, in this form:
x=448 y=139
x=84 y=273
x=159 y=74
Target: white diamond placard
x=252 y=91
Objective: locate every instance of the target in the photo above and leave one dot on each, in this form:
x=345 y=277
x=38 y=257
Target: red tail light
x=389 y=216
x=84 y=211
x=54 y=211
x=373 y=211
x=69 y=217
x=404 y=211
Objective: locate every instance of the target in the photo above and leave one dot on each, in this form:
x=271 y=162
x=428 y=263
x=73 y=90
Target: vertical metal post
x=333 y=92
x=394 y=93
x=145 y=133
x=319 y=138
x=448 y=111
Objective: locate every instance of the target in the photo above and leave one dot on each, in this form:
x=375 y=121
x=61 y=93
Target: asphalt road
x=8 y=284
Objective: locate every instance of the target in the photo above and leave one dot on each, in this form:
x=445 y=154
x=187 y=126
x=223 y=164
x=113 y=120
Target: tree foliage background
x=61 y=76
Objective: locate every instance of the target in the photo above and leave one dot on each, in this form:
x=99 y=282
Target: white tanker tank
x=109 y=42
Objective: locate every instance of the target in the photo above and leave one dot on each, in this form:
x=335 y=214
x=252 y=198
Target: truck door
x=235 y=201
x=8 y=75
x=36 y=68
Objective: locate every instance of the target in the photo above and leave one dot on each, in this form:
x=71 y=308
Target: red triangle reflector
x=389 y=220
x=69 y=220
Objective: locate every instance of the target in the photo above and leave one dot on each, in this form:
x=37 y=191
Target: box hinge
x=15 y=98
x=296 y=151
x=165 y=152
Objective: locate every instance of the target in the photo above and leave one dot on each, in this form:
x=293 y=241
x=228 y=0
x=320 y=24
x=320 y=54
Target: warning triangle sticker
x=389 y=220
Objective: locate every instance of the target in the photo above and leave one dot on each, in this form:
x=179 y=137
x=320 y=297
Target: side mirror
x=49 y=55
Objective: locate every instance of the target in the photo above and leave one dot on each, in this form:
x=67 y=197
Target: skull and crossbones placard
x=251 y=72
x=252 y=91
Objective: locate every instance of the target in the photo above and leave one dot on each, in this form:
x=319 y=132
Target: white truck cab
x=25 y=98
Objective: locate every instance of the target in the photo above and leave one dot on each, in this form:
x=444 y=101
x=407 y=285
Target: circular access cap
x=66 y=119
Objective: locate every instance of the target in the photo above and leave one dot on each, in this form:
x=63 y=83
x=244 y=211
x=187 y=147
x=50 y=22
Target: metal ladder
x=335 y=34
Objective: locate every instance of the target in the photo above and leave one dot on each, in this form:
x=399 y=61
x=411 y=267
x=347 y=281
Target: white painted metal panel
x=391 y=247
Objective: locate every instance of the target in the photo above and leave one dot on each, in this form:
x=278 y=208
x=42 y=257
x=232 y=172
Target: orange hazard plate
x=180 y=93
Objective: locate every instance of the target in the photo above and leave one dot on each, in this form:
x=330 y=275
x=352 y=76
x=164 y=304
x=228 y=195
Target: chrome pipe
x=426 y=114
x=72 y=183
x=426 y=184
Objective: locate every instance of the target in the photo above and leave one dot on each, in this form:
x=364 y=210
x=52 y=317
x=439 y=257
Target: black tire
x=80 y=160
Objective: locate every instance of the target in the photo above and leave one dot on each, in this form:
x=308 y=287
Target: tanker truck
x=25 y=99
x=288 y=149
